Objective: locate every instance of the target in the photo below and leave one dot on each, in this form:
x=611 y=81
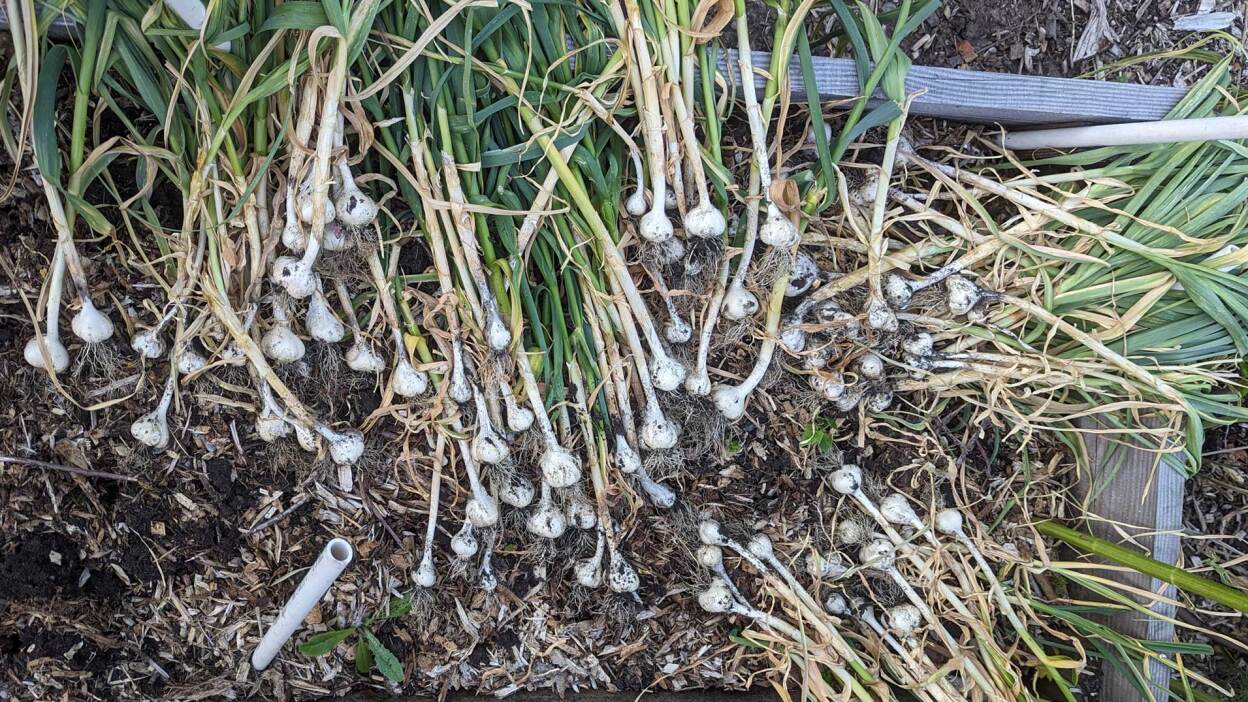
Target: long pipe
x=192 y=12
x=329 y=565
x=1163 y=132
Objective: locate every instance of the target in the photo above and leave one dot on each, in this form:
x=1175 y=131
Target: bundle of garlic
x=901 y=584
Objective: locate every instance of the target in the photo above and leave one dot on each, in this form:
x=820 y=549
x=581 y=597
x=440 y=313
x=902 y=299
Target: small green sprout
x=821 y=433
x=369 y=650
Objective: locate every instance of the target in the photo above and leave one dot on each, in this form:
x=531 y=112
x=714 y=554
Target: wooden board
x=1133 y=496
x=990 y=98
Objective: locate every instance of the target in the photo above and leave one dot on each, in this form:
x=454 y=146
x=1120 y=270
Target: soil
x=1020 y=36
x=1216 y=502
x=1028 y=37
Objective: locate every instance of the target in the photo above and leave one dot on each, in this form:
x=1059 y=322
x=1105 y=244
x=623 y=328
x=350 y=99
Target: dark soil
x=48 y=565
x=1005 y=36
x=1036 y=38
x=1021 y=36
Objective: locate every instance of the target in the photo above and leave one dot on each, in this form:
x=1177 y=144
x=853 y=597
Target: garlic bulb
x=464 y=544
x=91 y=325
x=426 y=575
x=336 y=237
x=279 y=342
x=517 y=491
x=705 y=221
x=778 y=231
x=190 y=362
x=546 y=521
x=353 y=207
x=148 y=344
x=322 y=323
x=560 y=467
x=963 y=294
x=716 y=598
x=406 y=381
x=362 y=358
x=739 y=303
x=621 y=577
x=803 y=275
x=345 y=447
x=152 y=429
x=581 y=513
x=306 y=200
x=294 y=275
x=57 y=356
x=666 y=372
x=655 y=226
x=487 y=445
x=482 y=511
x=658 y=433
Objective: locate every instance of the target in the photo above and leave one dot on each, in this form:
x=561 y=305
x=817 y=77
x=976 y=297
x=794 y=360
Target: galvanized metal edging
x=987 y=98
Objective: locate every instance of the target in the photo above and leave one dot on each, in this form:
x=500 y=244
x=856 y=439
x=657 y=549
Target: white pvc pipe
x=193 y=13
x=329 y=565
x=1163 y=132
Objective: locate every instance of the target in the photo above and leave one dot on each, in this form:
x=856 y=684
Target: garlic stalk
x=296 y=275
x=677 y=330
x=760 y=547
x=519 y=417
x=487 y=581
x=353 y=206
x=293 y=236
x=560 y=467
x=147 y=342
x=279 y=343
x=361 y=357
x=482 y=508
x=588 y=571
x=497 y=334
x=426 y=575
x=635 y=205
x=321 y=322
x=464 y=543
x=405 y=380
x=718 y=598
x=777 y=230
x=711 y=557
x=655 y=226
x=730 y=399
x=698 y=382
x=271 y=422
x=547 y=520
x=152 y=429
x=487 y=445
x=630 y=463
x=621 y=576
x=47 y=351
x=460 y=389
x=658 y=433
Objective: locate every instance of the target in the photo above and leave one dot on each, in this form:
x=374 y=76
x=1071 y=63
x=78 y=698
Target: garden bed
x=133 y=573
